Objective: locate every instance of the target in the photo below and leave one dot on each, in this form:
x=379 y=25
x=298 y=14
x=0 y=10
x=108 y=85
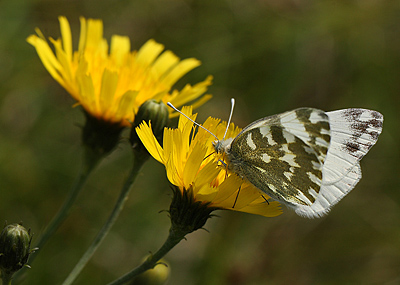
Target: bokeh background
x=272 y=56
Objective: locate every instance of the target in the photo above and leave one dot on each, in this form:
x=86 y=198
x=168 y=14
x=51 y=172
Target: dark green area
x=272 y=56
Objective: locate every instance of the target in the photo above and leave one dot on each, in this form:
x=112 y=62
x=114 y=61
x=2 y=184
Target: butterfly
x=307 y=159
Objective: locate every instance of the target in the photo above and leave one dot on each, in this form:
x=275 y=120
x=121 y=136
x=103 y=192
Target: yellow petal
x=94 y=34
x=120 y=47
x=149 y=52
x=227 y=189
x=47 y=57
x=193 y=163
x=207 y=174
x=86 y=91
x=180 y=69
x=272 y=209
x=168 y=142
x=206 y=193
x=150 y=142
x=126 y=105
x=179 y=152
x=66 y=37
x=247 y=195
x=190 y=93
x=62 y=57
x=164 y=63
x=173 y=173
x=201 y=101
x=82 y=35
x=108 y=86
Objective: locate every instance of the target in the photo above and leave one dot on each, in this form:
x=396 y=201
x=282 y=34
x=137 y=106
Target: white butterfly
x=307 y=159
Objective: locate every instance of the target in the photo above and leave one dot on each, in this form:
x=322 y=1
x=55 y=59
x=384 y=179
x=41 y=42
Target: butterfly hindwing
x=353 y=133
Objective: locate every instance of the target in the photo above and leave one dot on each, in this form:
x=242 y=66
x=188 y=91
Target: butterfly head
x=222 y=146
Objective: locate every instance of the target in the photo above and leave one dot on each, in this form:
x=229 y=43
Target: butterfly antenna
x=230 y=117
x=197 y=124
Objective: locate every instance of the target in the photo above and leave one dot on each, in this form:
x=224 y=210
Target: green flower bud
x=15 y=242
x=158 y=115
x=155 y=276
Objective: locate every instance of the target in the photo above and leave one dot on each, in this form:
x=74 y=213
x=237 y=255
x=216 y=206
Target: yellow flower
x=111 y=84
x=193 y=165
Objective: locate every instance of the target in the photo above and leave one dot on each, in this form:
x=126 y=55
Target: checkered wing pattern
x=307 y=159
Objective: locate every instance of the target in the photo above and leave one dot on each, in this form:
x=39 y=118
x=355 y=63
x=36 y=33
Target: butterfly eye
x=217 y=146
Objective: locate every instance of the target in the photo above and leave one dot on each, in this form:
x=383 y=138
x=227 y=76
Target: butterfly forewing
x=283 y=155
x=354 y=132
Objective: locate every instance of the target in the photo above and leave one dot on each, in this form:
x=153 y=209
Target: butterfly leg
x=223 y=163
x=236 y=197
x=208 y=155
x=266 y=200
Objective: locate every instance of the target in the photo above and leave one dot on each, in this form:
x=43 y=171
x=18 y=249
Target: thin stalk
x=62 y=213
x=90 y=162
x=173 y=239
x=88 y=166
x=139 y=160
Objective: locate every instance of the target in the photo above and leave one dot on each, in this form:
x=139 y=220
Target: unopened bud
x=154 y=112
x=15 y=242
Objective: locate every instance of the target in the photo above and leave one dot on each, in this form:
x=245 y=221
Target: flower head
x=193 y=165
x=111 y=83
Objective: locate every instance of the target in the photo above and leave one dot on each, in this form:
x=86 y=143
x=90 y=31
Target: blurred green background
x=270 y=55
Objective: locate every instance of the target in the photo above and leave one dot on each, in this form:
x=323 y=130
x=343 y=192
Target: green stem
x=173 y=239
x=87 y=168
x=90 y=162
x=139 y=159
